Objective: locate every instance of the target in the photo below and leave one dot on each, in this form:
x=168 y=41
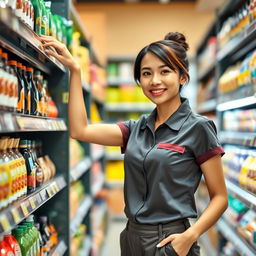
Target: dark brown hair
x=172 y=51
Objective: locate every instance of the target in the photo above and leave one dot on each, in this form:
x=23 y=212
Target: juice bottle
x=44 y=21
x=8 y=164
x=28 y=237
x=23 y=176
x=5 y=249
x=41 y=242
x=6 y=84
x=45 y=233
x=21 y=90
x=13 y=90
x=1 y=79
x=19 y=235
x=35 y=105
x=27 y=91
x=30 y=220
x=33 y=237
x=31 y=170
x=5 y=176
x=13 y=243
x=14 y=168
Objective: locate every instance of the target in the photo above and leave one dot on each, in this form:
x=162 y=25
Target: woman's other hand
x=61 y=52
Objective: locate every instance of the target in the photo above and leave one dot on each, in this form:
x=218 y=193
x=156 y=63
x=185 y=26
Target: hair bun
x=178 y=38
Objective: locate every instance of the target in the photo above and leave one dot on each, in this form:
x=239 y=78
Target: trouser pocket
x=195 y=250
x=169 y=250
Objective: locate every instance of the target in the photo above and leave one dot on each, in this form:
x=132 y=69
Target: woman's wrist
x=74 y=67
x=192 y=234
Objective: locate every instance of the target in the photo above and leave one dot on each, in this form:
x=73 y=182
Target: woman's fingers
x=58 y=46
x=165 y=241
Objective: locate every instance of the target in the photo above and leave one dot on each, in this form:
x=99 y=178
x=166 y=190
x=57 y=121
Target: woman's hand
x=61 y=52
x=181 y=243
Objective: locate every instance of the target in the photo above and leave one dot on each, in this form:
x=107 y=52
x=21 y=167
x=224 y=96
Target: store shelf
x=241 y=194
x=25 y=43
x=238 y=138
x=129 y=107
x=238 y=103
x=230 y=234
x=207 y=72
x=87 y=245
x=98 y=216
x=115 y=183
x=17 y=212
x=228 y=7
x=207 y=106
x=97 y=186
x=119 y=82
x=205 y=242
x=59 y=250
x=240 y=45
x=114 y=156
x=81 y=168
x=80 y=215
x=11 y=122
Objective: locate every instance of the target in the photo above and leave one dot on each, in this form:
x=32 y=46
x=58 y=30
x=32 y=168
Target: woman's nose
x=155 y=79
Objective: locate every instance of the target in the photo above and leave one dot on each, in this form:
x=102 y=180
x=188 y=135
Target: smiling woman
x=166 y=153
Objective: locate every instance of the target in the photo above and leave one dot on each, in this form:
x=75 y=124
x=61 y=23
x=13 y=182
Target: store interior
x=60 y=196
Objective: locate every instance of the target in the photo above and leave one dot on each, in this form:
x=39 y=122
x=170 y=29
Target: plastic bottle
x=19 y=235
x=29 y=238
x=13 y=243
x=30 y=219
x=33 y=236
x=39 y=170
x=6 y=68
x=13 y=86
x=45 y=233
x=35 y=107
x=38 y=82
x=31 y=170
x=23 y=174
x=5 y=249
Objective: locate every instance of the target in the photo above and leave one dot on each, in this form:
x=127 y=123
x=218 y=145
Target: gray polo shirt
x=162 y=167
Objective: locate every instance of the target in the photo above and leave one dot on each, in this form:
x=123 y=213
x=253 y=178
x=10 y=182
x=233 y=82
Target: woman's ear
x=183 y=79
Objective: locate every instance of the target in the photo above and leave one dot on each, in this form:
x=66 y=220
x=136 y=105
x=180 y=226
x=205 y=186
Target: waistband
x=151 y=228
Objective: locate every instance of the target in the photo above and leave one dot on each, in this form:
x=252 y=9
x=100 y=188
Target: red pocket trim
x=173 y=147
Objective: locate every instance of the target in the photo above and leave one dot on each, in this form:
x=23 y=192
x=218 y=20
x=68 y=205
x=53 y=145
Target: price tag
x=43 y=195
x=32 y=203
x=15 y=215
x=49 y=191
x=24 y=209
x=38 y=199
x=5 y=223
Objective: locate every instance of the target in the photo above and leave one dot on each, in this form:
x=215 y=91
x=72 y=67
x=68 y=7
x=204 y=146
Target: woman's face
x=159 y=83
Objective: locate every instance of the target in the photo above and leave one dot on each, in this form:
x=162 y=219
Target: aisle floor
x=111 y=246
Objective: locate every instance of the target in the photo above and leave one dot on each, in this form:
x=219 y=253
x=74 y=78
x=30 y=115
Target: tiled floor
x=111 y=246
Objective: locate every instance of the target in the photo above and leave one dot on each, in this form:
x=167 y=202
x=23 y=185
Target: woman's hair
x=171 y=50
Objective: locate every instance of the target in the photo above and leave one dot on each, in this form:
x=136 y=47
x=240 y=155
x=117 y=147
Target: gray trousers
x=141 y=240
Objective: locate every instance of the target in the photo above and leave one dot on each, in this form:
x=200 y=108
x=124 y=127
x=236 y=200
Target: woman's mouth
x=157 y=92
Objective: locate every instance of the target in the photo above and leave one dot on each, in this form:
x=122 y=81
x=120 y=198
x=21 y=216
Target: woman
x=166 y=153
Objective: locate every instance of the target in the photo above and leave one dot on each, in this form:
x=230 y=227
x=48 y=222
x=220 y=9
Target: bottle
x=21 y=90
x=41 y=93
x=44 y=21
x=32 y=235
x=31 y=171
x=19 y=8
x=13 y=243
x=39 y=171
x=2 y=78
x=19 y=235
x=23 y=174
x=37 y=16
x=30 y=219
x=5 y=177
x=27 y=91
x=29 y=238
x=14 y=85
x=6 y=68
x=45 y=233
x=5 y=249
x=14 y=169
x=35 y=109
x=8 y=165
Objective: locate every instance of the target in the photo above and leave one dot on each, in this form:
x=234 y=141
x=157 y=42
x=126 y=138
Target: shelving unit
x=241 y=98
x=53 y=196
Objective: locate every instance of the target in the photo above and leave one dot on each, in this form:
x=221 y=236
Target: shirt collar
x=175 y=121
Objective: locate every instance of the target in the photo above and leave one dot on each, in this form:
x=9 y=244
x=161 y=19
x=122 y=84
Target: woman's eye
x=166 y=71
x=146 y=73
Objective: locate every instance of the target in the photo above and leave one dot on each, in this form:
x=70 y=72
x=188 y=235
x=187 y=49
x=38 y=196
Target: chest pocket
x=173 y=147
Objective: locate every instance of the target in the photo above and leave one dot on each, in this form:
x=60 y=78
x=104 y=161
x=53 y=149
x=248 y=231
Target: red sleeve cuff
x=125 y=131
x=207 y=155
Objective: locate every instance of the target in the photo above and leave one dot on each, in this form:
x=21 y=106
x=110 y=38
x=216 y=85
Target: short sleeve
x=126 y=128
x=206 y=144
